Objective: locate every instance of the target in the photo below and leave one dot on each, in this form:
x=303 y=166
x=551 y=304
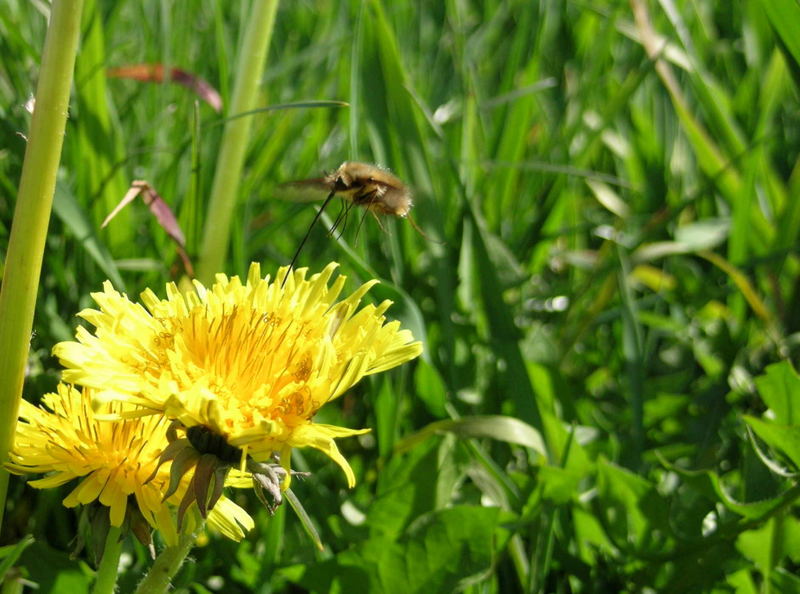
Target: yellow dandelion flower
x=116 y=461
x=250 y=362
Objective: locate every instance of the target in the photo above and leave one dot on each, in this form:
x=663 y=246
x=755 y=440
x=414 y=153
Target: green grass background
x=611 y=264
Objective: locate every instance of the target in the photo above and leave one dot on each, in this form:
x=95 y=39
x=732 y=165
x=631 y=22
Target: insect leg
x=366 y=201
x=341 y=218
x=347 y=209
x=302 y=243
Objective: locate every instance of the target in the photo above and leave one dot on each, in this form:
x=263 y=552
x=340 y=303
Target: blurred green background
x=609 y=195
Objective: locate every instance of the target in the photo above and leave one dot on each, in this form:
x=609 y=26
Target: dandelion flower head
x=252 y=362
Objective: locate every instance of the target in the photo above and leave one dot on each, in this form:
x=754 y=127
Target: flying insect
x=361 y=184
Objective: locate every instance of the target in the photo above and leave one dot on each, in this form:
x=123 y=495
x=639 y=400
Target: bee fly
x=361 y=184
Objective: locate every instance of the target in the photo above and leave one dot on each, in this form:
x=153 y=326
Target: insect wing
x=304 y=190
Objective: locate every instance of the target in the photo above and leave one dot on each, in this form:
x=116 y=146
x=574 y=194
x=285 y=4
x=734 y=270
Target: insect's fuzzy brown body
x=365 y=185
x=371 y=187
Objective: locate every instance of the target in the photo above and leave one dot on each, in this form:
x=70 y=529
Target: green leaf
x=783 y=438
x=742 y=582
x=591 y=537
x=785 y=582
x=440 y=552
x=444 y=551
x=406 y=489
x=566 y=443
x=768 y=545
x=779 y=387
x=709 y=484
x=11 y=553
x=634 y=512
x=558 y=485
x=347 y=572
x=55 y=571
x=430 y=388
x=508 y=429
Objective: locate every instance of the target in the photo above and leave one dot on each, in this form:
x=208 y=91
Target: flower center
x=259 y=365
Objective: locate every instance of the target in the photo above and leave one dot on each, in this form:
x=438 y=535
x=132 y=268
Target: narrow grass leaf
x=785 y=18
x=742 y=283
x=430 y=388
x=100 y=182
x=305 y=519
x=66 y=207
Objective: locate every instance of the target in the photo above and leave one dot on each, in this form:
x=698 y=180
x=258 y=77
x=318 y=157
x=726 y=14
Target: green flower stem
x=32 y=214
x=166 y=565
x=107 y=572
x=249 y=69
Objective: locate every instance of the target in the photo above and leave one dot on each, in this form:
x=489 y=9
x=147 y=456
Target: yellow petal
x=321 y=437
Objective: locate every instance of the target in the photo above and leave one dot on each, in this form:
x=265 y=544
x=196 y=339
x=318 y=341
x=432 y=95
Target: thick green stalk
x=107 y=572
x=166 y=565
x=224 y=190
x=32 y=215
